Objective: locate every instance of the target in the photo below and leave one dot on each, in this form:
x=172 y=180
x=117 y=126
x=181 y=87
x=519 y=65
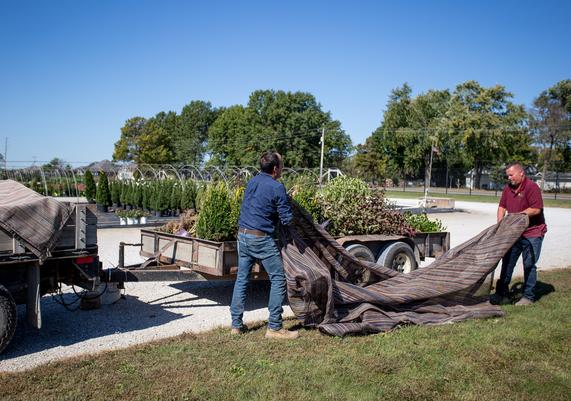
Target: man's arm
x=284 y=208
x=501 y=213
x=502 y=206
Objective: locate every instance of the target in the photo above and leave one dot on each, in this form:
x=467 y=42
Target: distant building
x=103 y=165
x=554 y=180
x=487 y=180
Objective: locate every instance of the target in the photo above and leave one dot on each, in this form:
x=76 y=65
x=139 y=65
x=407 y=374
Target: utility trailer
x=219 y=260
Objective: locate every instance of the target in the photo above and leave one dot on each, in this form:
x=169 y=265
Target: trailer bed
x=220 y=259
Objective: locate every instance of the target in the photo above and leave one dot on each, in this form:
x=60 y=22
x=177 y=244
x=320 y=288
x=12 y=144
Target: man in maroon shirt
x=521 y=195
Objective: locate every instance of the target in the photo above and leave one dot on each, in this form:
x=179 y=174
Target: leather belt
x=257 y=233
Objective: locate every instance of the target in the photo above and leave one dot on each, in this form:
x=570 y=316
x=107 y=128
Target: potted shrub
x=115 y=193
x=155 y=199
x=147 y=193
x=130 y=217
x=103 y=196
x=138 y=201
x=164 y=197
x=175 y=199
x=140 y=216
x=123 y=196
x=188 y=195
x=90 y=188
x=143 y=218
x=215 y=218
x=122 y=214
x=128 y=196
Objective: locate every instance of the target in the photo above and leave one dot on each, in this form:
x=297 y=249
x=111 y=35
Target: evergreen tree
x=175 y=197
x=115 y=192
x=103 y=196
x=189 y=195
x=90 y=188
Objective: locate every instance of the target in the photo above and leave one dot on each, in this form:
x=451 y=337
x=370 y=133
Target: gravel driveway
x=151 y=311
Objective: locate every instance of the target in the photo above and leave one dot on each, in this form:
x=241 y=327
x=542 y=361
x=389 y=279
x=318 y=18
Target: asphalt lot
x=150 y=311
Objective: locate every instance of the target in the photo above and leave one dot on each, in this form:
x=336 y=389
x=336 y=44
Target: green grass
x=564 y=203
x=523 y=356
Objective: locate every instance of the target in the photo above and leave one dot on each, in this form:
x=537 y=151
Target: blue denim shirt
x=265 y=200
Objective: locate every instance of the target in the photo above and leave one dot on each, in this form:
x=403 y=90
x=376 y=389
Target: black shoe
x=498 y=299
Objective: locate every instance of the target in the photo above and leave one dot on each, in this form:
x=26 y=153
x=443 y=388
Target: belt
x=257 y=233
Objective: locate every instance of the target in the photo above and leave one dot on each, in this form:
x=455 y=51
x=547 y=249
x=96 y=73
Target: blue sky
x=72 y=72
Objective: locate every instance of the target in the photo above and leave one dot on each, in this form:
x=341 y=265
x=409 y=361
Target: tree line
x=470 y=127
x=288 y=122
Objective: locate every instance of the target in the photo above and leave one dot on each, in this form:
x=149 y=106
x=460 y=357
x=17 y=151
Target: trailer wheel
x=398 y=256
x=361 y=252
x=7 y=317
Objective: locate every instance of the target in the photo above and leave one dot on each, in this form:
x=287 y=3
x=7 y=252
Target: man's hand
x=530 y=211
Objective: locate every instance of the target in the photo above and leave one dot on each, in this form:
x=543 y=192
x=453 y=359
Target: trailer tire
x=361 y=252
x=8 y=317
x=398 y=256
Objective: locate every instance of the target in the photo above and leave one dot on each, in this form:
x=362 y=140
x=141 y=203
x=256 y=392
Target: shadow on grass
x=541 y=289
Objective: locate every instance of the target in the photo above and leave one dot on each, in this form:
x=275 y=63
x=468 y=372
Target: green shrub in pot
x=215 y=218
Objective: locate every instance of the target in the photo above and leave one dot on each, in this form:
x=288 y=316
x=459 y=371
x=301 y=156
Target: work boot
x=235 y=331
x=498 y=299
x=524 y=302
x=282 y=334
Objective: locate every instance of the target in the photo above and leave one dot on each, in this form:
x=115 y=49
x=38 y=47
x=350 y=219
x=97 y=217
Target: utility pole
x=6 y=155
x=429 y=178
x=321 y=162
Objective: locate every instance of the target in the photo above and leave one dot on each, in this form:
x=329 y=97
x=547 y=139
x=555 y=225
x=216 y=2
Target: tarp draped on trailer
x=31 y=218
x=319 y=273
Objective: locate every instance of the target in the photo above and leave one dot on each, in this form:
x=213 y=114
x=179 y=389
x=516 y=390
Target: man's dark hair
x=269 y=160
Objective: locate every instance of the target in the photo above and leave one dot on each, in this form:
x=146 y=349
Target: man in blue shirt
x=265 y=202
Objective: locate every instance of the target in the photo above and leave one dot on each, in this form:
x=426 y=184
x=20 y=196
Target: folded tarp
x=31 y=218
x=320 y=272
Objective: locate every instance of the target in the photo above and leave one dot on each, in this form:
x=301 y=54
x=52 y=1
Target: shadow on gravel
x=220 y=292
x=61 y=327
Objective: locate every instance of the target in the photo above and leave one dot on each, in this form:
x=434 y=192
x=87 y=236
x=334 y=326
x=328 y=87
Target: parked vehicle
x=25 y=278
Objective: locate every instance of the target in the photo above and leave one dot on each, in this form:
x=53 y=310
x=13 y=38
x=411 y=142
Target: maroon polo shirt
x=516 y=200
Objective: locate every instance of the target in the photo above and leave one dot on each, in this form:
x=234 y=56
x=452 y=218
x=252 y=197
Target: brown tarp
x=33 y=219
x=319 y=274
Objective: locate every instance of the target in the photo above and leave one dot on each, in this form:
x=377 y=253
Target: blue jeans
x=264 y=249
x=529 y=248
